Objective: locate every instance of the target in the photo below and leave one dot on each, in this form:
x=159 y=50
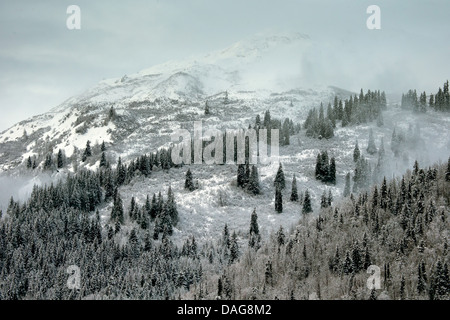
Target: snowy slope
x=260 y=73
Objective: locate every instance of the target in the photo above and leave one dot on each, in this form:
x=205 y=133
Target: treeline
x=286 y=127
x=399 y=227
x=355 y=110
x=145 y=163
x=38 y=246
x=439 y=101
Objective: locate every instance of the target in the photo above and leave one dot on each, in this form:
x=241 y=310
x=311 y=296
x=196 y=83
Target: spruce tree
x=29 y=162
x=347 y=185
x=117 y=210
x=294 y=192
x=307 y=206
x=371 y=148
x=447 y=174
x=324 y=200
x=148 y=206
x=103 y=160
x=87 y=152
x=234 y=249
x=171 y=207
x=279 y=178
x=254 y=236
x=402 y=288
x=332 y=172
x=280 y=236
x=253 y=185
x=356 y=152
x=189 y=183
x=278 y=200
x=121 y=173
x=60 y=159
x=241 y=175
x=330 y=198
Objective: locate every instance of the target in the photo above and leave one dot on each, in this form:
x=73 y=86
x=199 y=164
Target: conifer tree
x=117 y=210
x=253 y=185
x=171 y=207
x=189 y=183
x=294 y=192
x=121 y=173
x=103 y=160
x=29 y=162
x=280 y=236
x=347 y=185
x=254 y=236
x=307 y=206
x=371 y=148
x=356 y=152
x=234 y=248
x=241 y=175
x=226 y=243
x=278 y=200
x=60 y=159
x=447 y=174
x=324 y=200
x=148 y=206
x=279 y=178
x=332 y=172
x=402 y=288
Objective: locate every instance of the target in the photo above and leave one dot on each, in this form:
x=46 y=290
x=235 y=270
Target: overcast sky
x=42 y=63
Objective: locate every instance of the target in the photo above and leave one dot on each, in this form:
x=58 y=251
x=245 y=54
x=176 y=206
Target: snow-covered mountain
x=264 y=72
x=260 y=73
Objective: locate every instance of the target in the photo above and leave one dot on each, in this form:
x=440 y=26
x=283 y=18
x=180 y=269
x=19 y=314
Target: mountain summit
x=263 y=72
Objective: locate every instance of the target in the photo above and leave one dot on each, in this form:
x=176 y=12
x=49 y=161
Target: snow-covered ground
x=153 y=103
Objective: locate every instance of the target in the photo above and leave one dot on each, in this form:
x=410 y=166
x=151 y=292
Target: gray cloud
x=42 y=63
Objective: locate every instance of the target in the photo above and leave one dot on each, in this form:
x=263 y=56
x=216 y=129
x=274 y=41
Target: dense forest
x=397 y=227
x=401 y=226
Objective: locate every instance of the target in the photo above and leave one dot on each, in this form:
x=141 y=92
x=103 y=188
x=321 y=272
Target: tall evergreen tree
x=60 y=159
x=371 y=148
x=347 y=185
x=103 y=160
x=254 y=236
x=241 y=175
x=29 y=162
x=279 y=178
x=253 y=185
x=117 y=210
x=307 y=206
x=171 y=207
x=278 y=200
x=234 y=248
x=332 y=172
x=356 y=152
x=294 y=192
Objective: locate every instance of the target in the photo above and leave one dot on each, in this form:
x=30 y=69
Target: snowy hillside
x=258 y=74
